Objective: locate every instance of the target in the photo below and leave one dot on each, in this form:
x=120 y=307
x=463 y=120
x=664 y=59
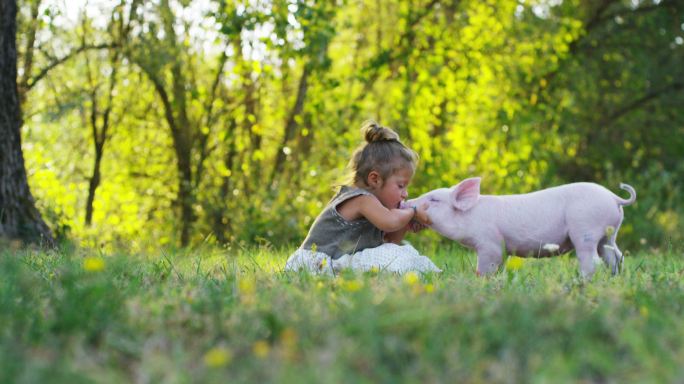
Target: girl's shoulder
x=346 y=192
x=347 y=202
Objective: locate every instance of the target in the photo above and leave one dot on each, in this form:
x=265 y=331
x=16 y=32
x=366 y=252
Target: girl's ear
x=374 y=180
x=466 y=193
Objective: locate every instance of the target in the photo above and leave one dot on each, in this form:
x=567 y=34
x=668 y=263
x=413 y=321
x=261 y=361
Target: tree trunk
x=251 y=102
x=94 y=179
x=186 y=194
x=292 y=124
x=19 y=218
x=222 y=218
x=100 y=132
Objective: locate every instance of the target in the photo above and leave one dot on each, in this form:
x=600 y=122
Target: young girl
x=363 y=224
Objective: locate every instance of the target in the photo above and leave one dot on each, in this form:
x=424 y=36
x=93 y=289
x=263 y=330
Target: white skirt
x=387 y=257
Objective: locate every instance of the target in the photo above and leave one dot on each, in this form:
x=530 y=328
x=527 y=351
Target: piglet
x=581 y=216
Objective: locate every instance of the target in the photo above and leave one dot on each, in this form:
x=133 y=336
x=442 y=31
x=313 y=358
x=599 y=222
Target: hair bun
x=373 y=132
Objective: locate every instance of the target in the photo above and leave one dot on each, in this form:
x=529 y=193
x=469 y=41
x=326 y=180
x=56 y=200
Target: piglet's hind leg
x=612 y=256
x=586 y=245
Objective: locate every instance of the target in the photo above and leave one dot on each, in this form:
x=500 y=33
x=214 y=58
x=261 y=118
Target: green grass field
x=234 y=316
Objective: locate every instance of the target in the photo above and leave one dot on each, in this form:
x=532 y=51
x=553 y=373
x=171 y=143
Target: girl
x=363 y=224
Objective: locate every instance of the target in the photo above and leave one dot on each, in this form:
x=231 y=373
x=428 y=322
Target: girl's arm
x=397 y=236
x=389 y=220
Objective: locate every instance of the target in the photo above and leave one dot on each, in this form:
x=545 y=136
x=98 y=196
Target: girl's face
x=394 y=190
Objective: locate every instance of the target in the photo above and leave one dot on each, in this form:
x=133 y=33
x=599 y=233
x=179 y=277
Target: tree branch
x=43 y=72
x=385 y=56
x=209 y=117
x=28 y=52
x=627 y=11
x=674 y=87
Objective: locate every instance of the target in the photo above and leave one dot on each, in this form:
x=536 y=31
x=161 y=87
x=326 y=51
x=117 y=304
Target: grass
x=216 y=316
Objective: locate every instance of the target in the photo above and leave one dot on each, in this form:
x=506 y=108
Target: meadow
x=144 y=135
x=233 y=315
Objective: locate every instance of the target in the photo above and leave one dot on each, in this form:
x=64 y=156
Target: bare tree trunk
x=222 y=219
x=98 y=142
x=175 y=113
x=183 y=131
x=100 y=132
x=186 y=195
x=291 y=126
x=182 y=136
x=19 y=218
x=209 y=119
x=93 y=184
x=251 y=102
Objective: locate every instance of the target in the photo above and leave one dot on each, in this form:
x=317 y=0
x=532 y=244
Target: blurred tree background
x=169 y=123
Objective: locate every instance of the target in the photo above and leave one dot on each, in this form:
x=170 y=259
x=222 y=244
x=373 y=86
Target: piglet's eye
x=433 y=200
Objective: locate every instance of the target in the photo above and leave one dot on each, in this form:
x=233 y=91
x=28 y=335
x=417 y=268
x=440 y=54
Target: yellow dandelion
x=261 y=349
x=411 y=278
x=374 y=269
x=93 y=264
x=643 y=310
x=351 y=285
x=314 y=247
x=320 y=285
x=324 y=263
x=288 y=342
x=217 y=357
x=514 y=263
x=247 y=286
x=610 y=230
x=289 y=337
x=429 y=288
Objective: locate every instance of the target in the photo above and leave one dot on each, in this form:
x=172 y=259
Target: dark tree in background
x=19 y=218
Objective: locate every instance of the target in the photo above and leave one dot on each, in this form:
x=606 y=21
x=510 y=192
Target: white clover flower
x=551 y=247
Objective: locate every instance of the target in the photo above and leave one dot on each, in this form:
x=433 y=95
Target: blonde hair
x=383 y=152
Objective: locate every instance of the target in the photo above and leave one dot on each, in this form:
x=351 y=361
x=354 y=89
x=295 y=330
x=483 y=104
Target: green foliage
x=268 y=97
x=213 y=315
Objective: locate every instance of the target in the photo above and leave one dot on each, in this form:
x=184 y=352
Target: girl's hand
x=422 y=216
x=415 y=226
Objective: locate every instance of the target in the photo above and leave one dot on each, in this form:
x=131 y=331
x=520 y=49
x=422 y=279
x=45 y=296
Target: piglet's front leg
x=489 y=257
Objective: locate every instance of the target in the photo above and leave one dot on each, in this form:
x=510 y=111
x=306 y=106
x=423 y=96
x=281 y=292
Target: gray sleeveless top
x=335 y=236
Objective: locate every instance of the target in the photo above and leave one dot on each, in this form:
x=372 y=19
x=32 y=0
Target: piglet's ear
x=466 y=193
